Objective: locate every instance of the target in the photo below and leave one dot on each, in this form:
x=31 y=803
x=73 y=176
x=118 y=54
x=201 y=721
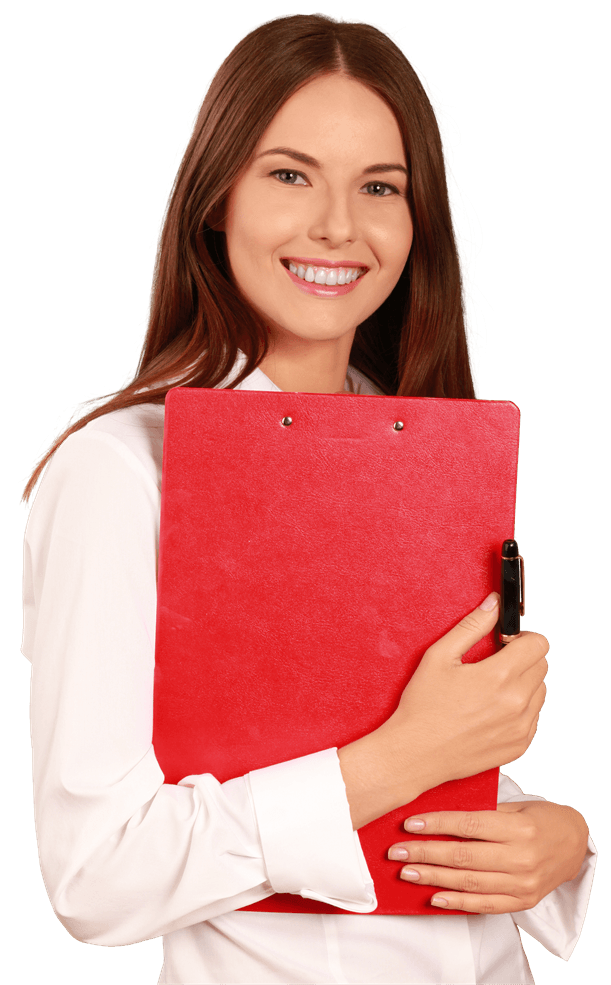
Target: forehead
x=336 y=117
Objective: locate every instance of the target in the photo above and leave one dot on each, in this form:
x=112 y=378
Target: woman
x=315 y=160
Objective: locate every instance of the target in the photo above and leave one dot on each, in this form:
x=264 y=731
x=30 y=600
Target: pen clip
x=522 y=590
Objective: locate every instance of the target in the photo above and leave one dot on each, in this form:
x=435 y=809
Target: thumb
x=469 y=631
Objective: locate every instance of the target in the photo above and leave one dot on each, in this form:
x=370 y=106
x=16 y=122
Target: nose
x=334 y=221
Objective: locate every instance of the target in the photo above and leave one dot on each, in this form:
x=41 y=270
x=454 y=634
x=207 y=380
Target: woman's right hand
x=454 y=719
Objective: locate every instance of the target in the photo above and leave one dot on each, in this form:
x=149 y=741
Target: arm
x=124 y=855
x=454 y=719
x=529 y=858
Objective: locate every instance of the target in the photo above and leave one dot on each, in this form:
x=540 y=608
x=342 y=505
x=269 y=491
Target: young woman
x=315 y=164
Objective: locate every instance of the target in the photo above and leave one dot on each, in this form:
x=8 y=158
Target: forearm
x=117 y=873
x=453 y=719
x=379 y=776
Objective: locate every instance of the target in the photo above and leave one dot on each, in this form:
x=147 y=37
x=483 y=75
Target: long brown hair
x=414 y=345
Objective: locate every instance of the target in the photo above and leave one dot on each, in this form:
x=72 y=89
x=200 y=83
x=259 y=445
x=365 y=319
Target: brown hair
x=415 y=343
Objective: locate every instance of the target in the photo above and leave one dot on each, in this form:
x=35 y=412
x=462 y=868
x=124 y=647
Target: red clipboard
x=312 y=547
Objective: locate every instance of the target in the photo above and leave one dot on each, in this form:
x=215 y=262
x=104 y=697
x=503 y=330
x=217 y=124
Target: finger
x=532 y=709
x=540 y=695
x=527 y=640
x=480 y=855
x=535 y=674
x=478 y=902
x=482 y=825
x=527 y=723
x=526 y=651
x=470 y=881
x=533 y=729
x=536 y=704
x=469 y=631
x=513 y=806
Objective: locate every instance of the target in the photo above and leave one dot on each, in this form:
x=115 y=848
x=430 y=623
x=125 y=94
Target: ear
x=216 y=218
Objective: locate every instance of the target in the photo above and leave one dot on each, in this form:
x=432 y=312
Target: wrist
x=376 y=778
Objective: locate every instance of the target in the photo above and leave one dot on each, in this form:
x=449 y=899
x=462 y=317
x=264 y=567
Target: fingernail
x=414 y=824
x=439 y=901
x=399 y=854
x=490 y=603
x=410 y=874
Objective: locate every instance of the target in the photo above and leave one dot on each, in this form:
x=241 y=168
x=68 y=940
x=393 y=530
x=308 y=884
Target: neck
x=307 y=366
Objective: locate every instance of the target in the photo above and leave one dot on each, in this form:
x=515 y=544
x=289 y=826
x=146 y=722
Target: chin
x=310 y=334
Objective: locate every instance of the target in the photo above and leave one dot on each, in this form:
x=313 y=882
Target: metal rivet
x=398 y=425
x=289 y=420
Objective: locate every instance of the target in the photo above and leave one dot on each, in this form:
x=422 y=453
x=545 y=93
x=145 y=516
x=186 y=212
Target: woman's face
x=322 y=202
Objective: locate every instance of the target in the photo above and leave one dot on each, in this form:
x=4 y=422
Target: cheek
x=403 y=238
x=393 y=242
x=406 y=246
x=257 y=228
x=402 y=257
x=241 y=238
x=241 y=227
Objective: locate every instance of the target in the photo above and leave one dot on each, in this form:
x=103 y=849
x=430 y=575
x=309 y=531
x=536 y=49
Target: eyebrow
x=313 y=163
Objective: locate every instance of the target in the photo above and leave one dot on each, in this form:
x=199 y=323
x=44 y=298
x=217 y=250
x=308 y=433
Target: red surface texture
x=305 y=569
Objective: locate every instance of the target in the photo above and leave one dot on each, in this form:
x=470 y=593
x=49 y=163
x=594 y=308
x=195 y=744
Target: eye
x=379 y=189
x=289 y=177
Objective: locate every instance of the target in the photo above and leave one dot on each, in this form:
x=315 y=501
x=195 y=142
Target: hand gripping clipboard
x=312 y=547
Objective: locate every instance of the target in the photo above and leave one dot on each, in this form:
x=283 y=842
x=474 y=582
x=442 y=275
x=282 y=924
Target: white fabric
x=126 y=857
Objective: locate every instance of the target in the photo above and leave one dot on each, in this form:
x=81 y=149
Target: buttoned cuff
x=309 y=847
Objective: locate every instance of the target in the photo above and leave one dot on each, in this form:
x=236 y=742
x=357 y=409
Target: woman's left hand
x=515 y=855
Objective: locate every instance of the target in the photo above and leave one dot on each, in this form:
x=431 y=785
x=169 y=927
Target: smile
x=329 y=276
x=322 y=281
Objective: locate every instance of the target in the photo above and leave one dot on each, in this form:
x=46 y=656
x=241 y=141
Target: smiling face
x=318 y=227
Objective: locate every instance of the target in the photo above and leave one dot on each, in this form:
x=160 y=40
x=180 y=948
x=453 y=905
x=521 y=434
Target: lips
x=329 y=264
x=324 y=273
x=324 y=281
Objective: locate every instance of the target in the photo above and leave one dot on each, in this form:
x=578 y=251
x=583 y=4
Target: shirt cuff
x=309 y=847
x=557 y=920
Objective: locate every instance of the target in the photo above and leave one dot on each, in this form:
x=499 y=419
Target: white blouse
x=126 y=857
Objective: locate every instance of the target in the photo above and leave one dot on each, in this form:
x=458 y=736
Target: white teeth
x=325 y=275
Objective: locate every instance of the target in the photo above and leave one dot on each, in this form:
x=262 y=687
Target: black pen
x=512 y=591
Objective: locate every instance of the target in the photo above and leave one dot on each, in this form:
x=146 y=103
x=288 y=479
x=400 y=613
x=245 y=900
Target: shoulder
x=126 y=440
x=114 y=459
x=95 y=516
x=136 y=433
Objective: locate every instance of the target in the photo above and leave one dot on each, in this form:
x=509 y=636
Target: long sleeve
x=124 y=855
x=555 y=921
